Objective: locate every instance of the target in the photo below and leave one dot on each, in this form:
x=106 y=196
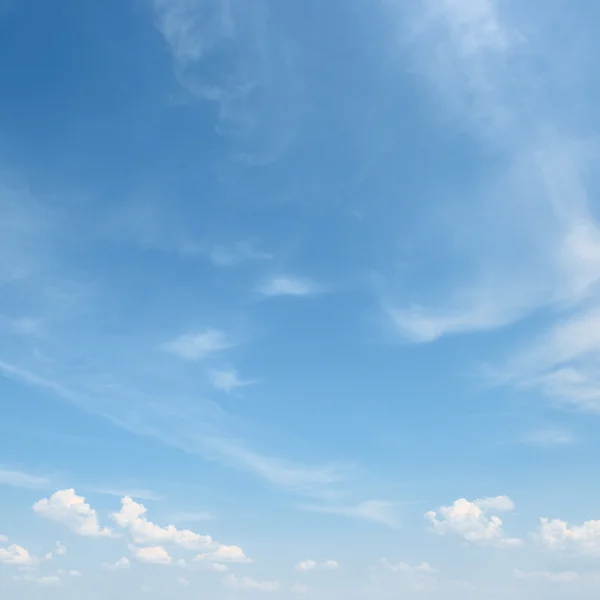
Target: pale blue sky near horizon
x=318 y=280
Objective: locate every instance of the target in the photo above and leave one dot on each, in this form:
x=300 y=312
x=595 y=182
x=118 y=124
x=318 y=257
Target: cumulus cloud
x=131 y=517
x=17 y=555
x=66 y=507
x=122 y=563
x=196 y=346
x=224 y=553
x=311 y=565
x=556 y=534
x=246 y=583
x=288 y=286
x=402 y=567
x=470 y=521
x=156 y=555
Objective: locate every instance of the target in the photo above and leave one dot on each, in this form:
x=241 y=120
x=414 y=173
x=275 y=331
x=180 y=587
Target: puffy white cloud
x=17 y=555
x=225 y=554
x=122 y=563
x=196 y=346
x=554 y=577
x=131 y=517
x=246 y=583
x=66 y=507
x=420 y=569
x=311 y=565
x=288 y=286
x=557 y=535
x=470 y=521
x=155 y=555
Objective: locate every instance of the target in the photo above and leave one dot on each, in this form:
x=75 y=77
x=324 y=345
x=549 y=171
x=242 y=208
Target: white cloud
x=3 y=539
x=288 y=286
x=556 y=534
x=196 y=346
x=402 y=567
x=122 y=563
x=131 y=517
x=228 y=380
x=299 y=588
x=227 y=256
x=246 y=583
x=183 y=581
x=554 y=577
x=47 y=580
x=66 y=507
x=379 y=511
x=71 y=573
x=22 y=480
x=547 y=437
x=17 y=555
x=470 y=521
x=223 y=553
x=311 y=565
x=60 y=549
x=155 y=555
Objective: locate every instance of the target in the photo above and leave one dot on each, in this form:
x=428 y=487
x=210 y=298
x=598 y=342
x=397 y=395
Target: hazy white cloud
x=223 y=554
x=122 y=563
x=227 y=256
x=46 y=580
x=402 y=567
x=155 y=555
x=246 y=583
x=131 y=517
x=16 y=555
x=547 y=437
x=554 y=577
x=66 y=507
x=3 y=539
x=288 y=286
x=22 y=480
x=556 y=534
x=379 y=511
x=469 y=520
x=311 y=565
x=60 y=550
x=183 y=581
x=299 y=588
x=228 y=380
x=68 y=573
x=196 y=346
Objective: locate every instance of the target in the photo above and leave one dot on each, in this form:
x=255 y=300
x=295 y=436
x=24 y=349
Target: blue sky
x=299 y=299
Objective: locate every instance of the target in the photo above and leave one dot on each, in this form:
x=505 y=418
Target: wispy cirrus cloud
x=287 y=285
x=228 y=380
x=480 y=65
x=378 y=511
x=254 y=91
x=23 y=480
x=196 y=346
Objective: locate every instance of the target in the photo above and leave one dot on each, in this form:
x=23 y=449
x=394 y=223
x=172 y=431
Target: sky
x=299 y=299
